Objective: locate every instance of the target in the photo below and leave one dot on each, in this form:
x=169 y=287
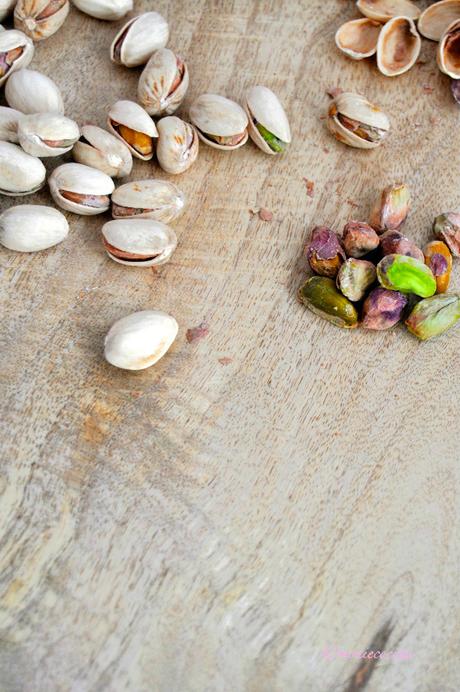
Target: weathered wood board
x=203 y=526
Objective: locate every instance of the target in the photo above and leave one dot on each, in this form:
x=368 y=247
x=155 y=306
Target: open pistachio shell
x=163 y=83
x=131 y=123
x=47 y=134
x=355 y=121
x=81 y=189
x=148 y=199
x=109 y=10
x=104 y=151
x=358 y=38
x=16 y=51
x=268 y=123
x=9 y=119
x=220 y=122
x=30 y=91
x=20 y=173
x=177 y=146
x=40 y=19
x=384 y=10
x=434 y=21
x=139 y=38
x=398 y=46
x=6 y=6
x=138 y=242
x=448 y=55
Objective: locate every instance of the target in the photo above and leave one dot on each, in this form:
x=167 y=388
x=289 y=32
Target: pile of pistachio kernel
x=375 y=277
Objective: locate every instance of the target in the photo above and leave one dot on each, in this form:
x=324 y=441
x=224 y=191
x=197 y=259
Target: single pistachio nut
x=383 y=308
x=178 y=144
x=220 y=122
x=446 y=227
x=391 y=209
x=324 y=252
x=109 y=10
x=268 y=124
x=131 y=123
x=398 y=46
x=139 y=38
x=148 y=199
x=31 y=227
x=47 y=134
x=384 y=10
x=40 y=19
x=9 y=118
x=353 y=120
x=163 y=83
x=104 y=151
x=406 y=274
x=439 y=259
x=358 y=38
x=395 y=243
x=139 y=340
x=81 y=189
x=29 y=91
x=139 y=242
x=320 y=295
x=448 y=55
x=16 y=51
x=434 y=316
x=359 y=238
x=354 y=278
x=20 y=173
x=6 y=6
x=434 y=21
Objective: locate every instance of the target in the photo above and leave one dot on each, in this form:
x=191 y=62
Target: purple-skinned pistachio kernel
x=324 y=252
x=446 y=227
x=395 y=243
x=383 y=309
x=359 y=238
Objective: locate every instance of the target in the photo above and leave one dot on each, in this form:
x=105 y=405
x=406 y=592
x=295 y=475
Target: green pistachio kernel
x=273 y=142
x=406 y=274
x=434 y=316
x=320 y=295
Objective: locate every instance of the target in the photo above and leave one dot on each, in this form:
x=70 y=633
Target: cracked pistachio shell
x=178 y=145
x=20 y=173
x=446 y=227
x=148 y=199
x=268 y=124
x=109 y=10
x=9 y=118
x=324 y=252
x=395 y=243
x=81 y=189
x=47 y=134
x=163 y=83
x=138 y=242
x=29 y=91
x=139 y=38
x=31 y=227
x=359 y=238
x=434 y=21
x=384 y=10
x=434 y=316
x=16 y=51
x=406 y=274
x=220 y=122
x=358 y=38
x=102 y=150
x=40 y=19
x=439 y=259
x=320 y=295
x=398 y=46
x=353 y=120
x=129 y=122
x=383 y=309
x=354 y=278
x=139 y=340
x=448 y=55
x=391 y=209
x=6 y=6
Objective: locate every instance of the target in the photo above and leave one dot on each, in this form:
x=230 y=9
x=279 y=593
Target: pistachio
x=406 y=274
x=359 y=238
x=81 y=189
x=16 y=51
x=20 y=173
x=391 y=209
x=138 y=242
x=131 y=123
x=31 y=227
x=355 y=121
x=395 y=243
x=40 y=19
x=448 y=55
x=434 y=21
x=439 y=259
x=398 y=46
x=384 y=10
x=434 y=316
x=110 y=10
x=320 y=295
x=383 y=309
x=220 y=122
x=358 y=38
x=139 y=38
x=178 y=145
x=104 y=151
x=324 y=252
x=446 y=227
x=163 y=83
x=268 y=124
x=149 y=199
x=354 y=278
x=33 y=92
x=9 y=119
x=47 y=134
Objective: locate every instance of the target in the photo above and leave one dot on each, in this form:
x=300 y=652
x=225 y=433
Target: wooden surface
x=208 y=527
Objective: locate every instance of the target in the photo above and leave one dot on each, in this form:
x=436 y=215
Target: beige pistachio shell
x=178 y=144
x=139 y=38
x=32 y=227
x=40 y=19
x=163 y=83
x=47 y=134
x=109 y=10
x=81 y=189
x=434 y=21
x=20 y=173
x=355 y=121
x=102 y=150
x=9 y=118
x=133 y=116
x=148 y=199
x=448 y=55
x=398 y=46
x=29 y=91
x=139 y=242
x=6 y=6
x=217 y=116
x=264 y=108
x=384 y=10
x=16 y=51
x=358 y=38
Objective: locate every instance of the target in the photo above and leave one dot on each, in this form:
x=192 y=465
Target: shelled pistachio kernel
x=320 y=295
x=359 y=238
x=395 y=243
x=434 y=316
x=324 y=252
x=391 y=209
x=354 y=278
x=406 y=274
x=383 y=309
x=439 y=259
x=446 y=227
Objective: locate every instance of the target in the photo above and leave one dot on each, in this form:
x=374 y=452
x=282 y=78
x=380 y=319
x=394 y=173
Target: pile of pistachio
x=34 y=126
x=374 y=276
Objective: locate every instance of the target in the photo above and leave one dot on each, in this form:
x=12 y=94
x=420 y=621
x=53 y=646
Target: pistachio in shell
x=268 y=124
x=434 y=316
x=395 y=243
x=320 y=295
x=353 y=120
x=406 y=274
x=439 y=259
x=383 y=309
x=359 y=238
x=446 y=227
x=391 y=209
x=354 y=278
x=324 y=252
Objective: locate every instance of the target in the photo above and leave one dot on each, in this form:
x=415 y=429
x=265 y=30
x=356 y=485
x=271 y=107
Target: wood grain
x=212 y=525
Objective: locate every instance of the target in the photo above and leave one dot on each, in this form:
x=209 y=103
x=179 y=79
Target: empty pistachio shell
x=268 y=123
x=446 y=227
x=20 y=173
x=139 y=242
x=434 y=21
x=6 y=6
x=434 y=316
x=177 y=146
x=220 y=122
x=139 y=38
x=81 y=189
x=354 y=278
x=110 y=10
x=104 y=151
x=391 y=209
x=9 y=118
x=406 y=274
x=16 y=51
x=395 y=243
x=40 y=19
x=320 y=295
x=398 y=46
x=139 y=340
x=131 y=123
x=358 y=38
x=163 y=83
x=148 y=199
x=359 y=238
x=383 y=309
x=30 y=227
x=47 y=134
x=355 y=121
x=383 y=10
x=439 y=259
x=448 y=55
x=324 y=252
x=33 y=92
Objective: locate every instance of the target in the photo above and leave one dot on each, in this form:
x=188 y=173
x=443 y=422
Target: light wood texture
x=208 y=527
